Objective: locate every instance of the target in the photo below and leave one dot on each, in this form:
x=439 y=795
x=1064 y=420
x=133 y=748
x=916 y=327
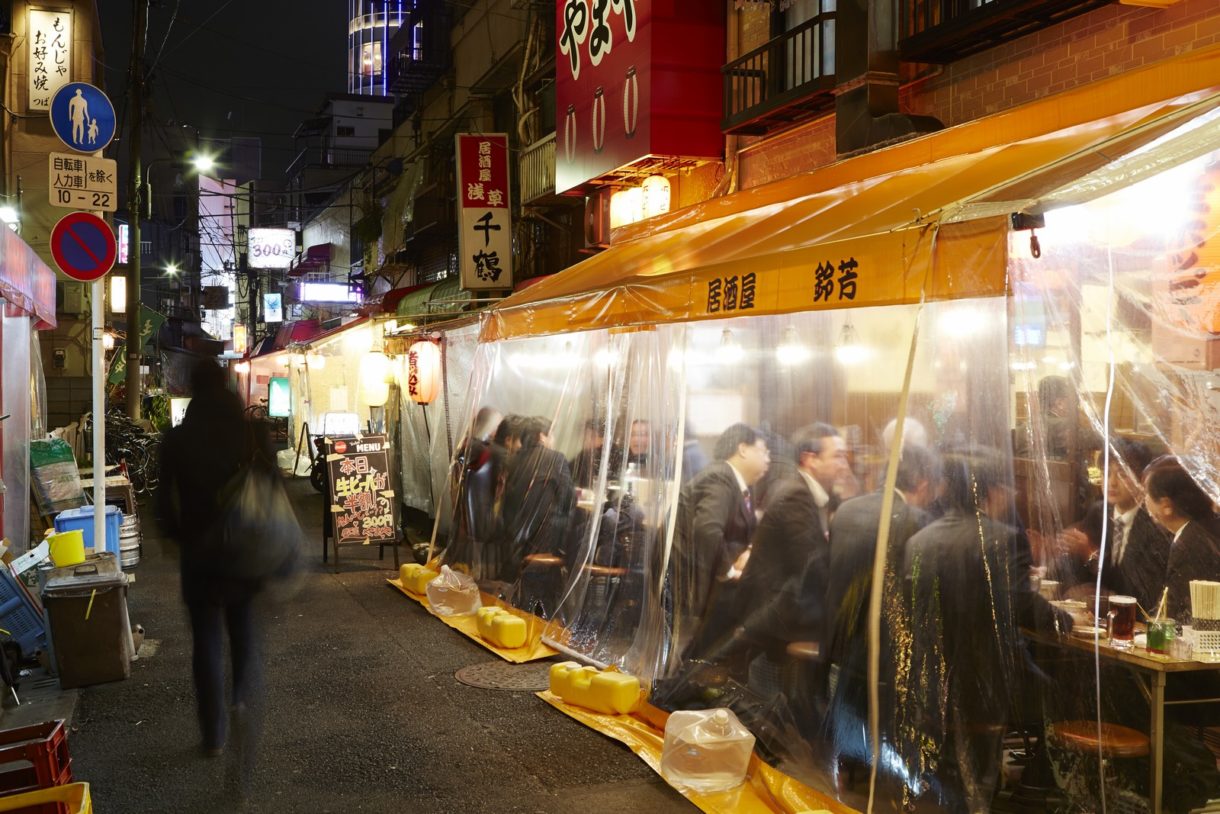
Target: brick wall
x=1084 y=49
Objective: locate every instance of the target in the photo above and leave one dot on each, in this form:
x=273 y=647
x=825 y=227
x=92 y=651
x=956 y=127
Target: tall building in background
x=371 y=24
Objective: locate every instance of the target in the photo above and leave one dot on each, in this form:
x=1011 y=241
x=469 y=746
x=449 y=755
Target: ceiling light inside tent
x=731 y=351
x=849 y=350
x=791 y=351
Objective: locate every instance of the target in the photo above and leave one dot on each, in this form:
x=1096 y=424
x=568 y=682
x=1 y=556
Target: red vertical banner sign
x=485 y=236
x=636 y=78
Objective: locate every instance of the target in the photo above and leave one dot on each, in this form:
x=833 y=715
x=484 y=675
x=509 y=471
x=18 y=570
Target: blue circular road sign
x=82 y=117
x=83 y=246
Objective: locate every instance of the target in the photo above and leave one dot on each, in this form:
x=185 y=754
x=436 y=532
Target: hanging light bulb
x=791 y=351
x=849 y=350
x=731 y=351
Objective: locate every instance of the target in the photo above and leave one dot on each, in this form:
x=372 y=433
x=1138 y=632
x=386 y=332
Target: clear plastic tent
x=18 y=403
x=896 y=540
x=431 y=431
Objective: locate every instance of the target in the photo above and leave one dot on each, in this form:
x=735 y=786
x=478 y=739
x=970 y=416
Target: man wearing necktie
x=716 y=520
x=1136 y=555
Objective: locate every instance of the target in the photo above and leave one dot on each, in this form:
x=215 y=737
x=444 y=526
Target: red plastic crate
x=34 y=757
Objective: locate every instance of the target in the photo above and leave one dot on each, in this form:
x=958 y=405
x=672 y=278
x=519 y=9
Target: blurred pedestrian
x=200 y=460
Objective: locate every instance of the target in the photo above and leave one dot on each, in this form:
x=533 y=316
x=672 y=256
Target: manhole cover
x=501 y=675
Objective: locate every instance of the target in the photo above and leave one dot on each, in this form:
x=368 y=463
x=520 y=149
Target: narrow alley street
x=363 y=712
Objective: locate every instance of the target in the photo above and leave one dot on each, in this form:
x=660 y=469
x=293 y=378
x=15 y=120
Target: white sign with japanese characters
x=485 y=239
x=272 y=248
x=50 y=55
x=83 y=182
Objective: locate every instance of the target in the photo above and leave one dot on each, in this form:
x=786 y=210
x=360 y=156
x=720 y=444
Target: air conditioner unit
x=597 y=219
x=73 y=299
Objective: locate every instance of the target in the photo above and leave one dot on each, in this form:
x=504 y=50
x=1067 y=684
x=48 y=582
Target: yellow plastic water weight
x=608 y=692
x=501 y=628
x=415 y=577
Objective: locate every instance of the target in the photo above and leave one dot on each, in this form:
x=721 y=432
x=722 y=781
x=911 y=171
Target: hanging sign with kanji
x=485 y=239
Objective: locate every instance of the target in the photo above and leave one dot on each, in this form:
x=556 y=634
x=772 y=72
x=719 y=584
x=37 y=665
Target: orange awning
x=905 y=221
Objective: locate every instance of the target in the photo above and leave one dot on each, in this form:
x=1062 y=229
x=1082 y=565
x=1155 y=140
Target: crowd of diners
x=766 y=591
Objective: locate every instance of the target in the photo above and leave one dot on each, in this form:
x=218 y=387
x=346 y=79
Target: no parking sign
x=83 y=246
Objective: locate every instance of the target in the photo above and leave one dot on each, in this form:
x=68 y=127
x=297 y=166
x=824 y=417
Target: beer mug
x=1122 y=621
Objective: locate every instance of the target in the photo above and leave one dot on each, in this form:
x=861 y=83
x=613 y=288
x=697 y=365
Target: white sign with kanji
x=50 y=55
x=83 y=182
x=485 y=239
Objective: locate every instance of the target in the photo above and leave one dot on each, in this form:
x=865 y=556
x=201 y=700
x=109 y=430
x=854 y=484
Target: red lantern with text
x=423 y=372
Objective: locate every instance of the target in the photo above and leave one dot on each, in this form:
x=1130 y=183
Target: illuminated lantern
x=374 y=371
x=423 y=372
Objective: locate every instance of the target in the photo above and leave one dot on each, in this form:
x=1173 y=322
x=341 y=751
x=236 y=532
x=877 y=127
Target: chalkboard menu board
x=362 y=505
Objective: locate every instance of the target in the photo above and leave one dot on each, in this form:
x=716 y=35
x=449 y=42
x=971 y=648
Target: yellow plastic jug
x=611 y=692
x=415 y=577
x=67 y=548
x=500 y=627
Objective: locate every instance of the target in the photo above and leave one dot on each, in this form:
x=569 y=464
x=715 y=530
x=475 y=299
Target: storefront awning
x=924 y=219
x=27 y=284
x=438 y=299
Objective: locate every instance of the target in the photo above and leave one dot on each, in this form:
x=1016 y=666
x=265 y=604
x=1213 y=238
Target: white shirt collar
x=741 y=482
x=1178 y=533
x=819 y=494
x=1127 y=517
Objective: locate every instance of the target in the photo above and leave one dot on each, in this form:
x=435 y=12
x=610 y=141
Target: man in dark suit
x=716 y=520
x=968 y=578
x=853 y=544
x=1137 y=555
x=791 y=546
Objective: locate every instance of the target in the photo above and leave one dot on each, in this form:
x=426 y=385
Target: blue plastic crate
x=82 y=519
x=19 y=615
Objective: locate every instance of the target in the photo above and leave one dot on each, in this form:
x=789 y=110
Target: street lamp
x=203 y=162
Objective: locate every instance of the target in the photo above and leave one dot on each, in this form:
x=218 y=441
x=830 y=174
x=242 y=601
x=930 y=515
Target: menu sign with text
x=362 y=503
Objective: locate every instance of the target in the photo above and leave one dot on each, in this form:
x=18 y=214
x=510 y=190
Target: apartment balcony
x=942 y=31
x=788 y=79
x=536 y=172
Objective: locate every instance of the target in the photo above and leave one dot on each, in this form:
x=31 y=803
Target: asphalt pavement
x=363 y=712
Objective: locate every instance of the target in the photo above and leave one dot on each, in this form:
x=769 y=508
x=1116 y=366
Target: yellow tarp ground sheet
x=532 y=650
x=767 y=791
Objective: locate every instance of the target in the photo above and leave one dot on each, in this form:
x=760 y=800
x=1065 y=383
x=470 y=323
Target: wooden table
x=1157 y=669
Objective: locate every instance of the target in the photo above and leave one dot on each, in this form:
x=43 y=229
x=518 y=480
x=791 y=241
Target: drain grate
x=501 y=675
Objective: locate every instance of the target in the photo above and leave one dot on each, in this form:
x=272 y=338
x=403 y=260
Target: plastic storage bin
x=82 y=519
x=86 y=608
x=70 y=799
x=19 y=614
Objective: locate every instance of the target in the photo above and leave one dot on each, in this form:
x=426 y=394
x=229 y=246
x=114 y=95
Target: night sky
x=230 y=68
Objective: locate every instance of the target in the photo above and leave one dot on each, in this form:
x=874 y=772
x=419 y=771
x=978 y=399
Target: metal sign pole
x=99 y=422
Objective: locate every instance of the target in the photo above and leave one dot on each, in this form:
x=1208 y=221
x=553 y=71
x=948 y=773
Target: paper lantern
x=374 y=370
x=423 y=372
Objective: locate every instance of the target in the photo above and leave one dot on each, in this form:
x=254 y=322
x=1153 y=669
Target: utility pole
x=135 y=97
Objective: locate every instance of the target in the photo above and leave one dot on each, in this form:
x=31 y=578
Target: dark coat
x=790 y=546
x=1194 y=555
x=714 y=528
x=1145 y=559
x=970 y=593
x=537 y=507
x=198 y=459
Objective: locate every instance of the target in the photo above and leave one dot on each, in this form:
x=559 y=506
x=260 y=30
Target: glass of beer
x=1122 y=621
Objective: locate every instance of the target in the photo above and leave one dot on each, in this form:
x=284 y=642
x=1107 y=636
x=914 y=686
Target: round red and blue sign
x=83 y=246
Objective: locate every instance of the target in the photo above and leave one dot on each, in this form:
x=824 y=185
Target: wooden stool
x=1115 y=740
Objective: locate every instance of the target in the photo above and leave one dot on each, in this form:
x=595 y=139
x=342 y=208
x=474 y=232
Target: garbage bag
x=258 y=536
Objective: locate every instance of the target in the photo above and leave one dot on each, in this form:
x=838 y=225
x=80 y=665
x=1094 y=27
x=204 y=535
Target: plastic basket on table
x=72 y=798
x=34 y=757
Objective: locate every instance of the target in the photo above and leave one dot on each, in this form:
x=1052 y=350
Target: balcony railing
x=537 y=170
x=787 y=79
x=941 y=31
